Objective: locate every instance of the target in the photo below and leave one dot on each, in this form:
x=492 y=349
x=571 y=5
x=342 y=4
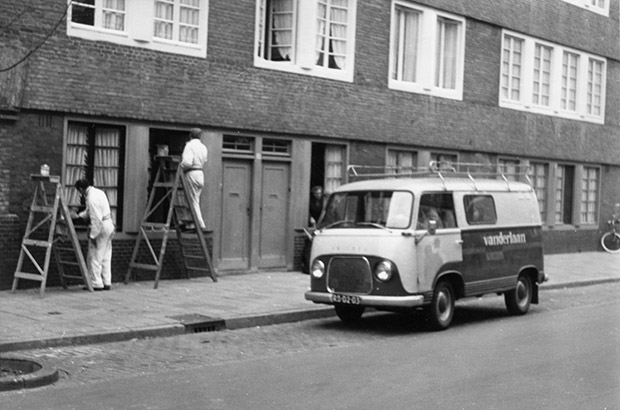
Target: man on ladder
x=100 y=234
x=192 y=162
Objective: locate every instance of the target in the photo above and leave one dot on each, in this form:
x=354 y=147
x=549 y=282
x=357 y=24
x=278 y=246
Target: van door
x=435 y=251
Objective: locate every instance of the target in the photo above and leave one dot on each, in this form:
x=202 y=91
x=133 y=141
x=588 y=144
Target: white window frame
x=596 y=6
x=558 y=81
x=139 y=29
x=589 y=204
x=426 y=64
x=304 y=41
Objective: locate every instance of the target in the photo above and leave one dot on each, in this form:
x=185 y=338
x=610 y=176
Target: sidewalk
x=136 y=310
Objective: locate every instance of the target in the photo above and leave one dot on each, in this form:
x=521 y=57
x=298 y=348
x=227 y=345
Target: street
x=564 y=354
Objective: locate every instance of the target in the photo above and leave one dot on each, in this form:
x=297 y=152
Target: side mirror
x=432 y=227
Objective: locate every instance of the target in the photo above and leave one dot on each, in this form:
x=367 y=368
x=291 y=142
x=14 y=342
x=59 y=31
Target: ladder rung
x=73 y=277
x=34 y=242
x=42 y=208
x=144 y=266
x=163 y=184
x=197 y=269
x=31 y=276
x=154 y=225
x=70 y=263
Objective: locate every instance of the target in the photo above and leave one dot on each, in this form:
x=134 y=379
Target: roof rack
x=440 y=169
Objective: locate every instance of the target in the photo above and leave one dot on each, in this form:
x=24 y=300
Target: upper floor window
x=306 y=37
x=175 y=26
x=596 y=6
x=550 y=79
x=401 y=162
x=427 y=51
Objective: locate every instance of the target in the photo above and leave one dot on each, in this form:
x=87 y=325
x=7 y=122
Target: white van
x=401 y=244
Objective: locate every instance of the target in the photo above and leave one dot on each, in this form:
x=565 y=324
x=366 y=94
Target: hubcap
x=443 y=306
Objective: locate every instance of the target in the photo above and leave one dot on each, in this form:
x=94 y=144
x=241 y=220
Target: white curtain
x=447 y=50
x=114 y=14
x=334 y=163
x=189 y=21
x=282 y=28
x=107 y=164
x=338 y=31
x=164 y=17
x=409 y=23
x=76 y=156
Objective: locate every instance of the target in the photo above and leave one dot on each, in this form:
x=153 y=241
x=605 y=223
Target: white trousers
x=196 y=181
x=99 y=257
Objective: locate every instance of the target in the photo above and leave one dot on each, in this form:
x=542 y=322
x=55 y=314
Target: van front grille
x=350 y=275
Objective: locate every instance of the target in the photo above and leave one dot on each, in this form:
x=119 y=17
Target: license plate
x=346 y=299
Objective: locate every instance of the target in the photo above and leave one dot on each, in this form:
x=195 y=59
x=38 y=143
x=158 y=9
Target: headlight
x=318 y=269
x=384 y=270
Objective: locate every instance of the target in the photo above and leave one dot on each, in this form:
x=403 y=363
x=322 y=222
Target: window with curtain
x=331 y=36
x=539 y=177
x=589 y=195
x=96 y=152
x=108 y=14
x=596 y=6
x=564 y=180
x=175 y=26
x=542 y=75
x=334 y=167
x=426 y=52
x=177 y=20
x=401 y=162
x=511 y=68
x=550 y=79
x=312 y=37
x=595 y=87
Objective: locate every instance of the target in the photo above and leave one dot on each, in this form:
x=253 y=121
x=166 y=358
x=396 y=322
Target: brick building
x=291 y=92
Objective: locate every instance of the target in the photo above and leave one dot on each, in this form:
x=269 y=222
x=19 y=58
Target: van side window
x=480 y=209
x=438 y=208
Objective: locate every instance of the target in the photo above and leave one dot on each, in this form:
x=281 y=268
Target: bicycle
x=610 y=241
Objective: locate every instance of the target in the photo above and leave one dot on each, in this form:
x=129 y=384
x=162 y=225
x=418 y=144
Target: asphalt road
x=565 y=354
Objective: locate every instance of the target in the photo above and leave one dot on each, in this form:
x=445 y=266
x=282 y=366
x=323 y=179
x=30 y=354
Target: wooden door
x=274 y=219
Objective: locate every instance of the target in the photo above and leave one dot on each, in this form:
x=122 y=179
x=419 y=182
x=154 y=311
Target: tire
x=348 y=313
x=610 y=241
x=441 y=310
x=519 y=299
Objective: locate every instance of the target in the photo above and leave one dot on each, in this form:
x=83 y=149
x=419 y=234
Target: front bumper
x=370 y=300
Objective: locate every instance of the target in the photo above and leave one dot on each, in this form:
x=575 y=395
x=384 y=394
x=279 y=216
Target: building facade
x=290 y=93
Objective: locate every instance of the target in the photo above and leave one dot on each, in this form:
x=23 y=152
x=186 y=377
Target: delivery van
x=421 y=243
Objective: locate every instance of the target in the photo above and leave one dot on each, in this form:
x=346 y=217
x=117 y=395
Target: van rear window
x=480 y=209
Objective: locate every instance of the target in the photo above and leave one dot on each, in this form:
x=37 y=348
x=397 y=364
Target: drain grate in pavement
x=196 y=323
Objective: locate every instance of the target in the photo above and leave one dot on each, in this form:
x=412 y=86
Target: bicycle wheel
x=611 y=242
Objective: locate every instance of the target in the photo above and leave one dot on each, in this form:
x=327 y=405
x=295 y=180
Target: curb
x=216 y=324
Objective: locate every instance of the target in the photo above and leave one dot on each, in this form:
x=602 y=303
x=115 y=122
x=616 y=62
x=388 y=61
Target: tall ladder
x=171 y=185
x=50 y=230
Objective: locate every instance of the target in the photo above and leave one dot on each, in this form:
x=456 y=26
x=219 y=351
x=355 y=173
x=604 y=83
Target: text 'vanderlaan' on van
x=422 y=242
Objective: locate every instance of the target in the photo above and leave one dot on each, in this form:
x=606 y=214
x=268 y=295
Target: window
x=538 y=178
x=510 y=168
x=175 y=26
x=438 y=208
x=589 y=195
x=334 y=167
x=564 y=181
x=401 y=162
x=177 y=20
x=479 y=209
x=426 y=51
x=368 y=210
x=444 y=162
x=95 y=152
x=550 y=79
x=313 y=37
x=596 y=6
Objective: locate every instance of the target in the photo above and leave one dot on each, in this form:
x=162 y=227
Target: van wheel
x=439 y=314
x=349 y=314
x=518 y=300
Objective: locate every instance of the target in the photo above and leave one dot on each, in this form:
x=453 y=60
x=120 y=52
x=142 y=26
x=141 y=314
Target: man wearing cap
x=192 y=162
x=100 y=234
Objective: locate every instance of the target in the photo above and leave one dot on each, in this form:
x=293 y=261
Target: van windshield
x=363 y=209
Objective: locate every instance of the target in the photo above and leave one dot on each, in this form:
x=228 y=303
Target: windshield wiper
x=334 y=224
x=373 y=224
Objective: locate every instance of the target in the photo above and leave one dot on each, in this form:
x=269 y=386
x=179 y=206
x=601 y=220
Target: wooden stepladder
x=168 y=194
x=49 y=230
